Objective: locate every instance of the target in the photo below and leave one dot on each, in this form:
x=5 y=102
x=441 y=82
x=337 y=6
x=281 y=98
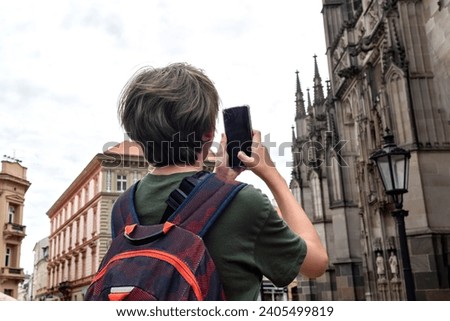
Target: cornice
x=15 y=180
x=93 y=166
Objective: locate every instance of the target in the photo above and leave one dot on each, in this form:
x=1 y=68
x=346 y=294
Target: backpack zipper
x=179 y=265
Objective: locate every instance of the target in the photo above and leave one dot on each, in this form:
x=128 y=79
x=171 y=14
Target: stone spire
x=309 y=102
x=318 y=88
x=299 y=101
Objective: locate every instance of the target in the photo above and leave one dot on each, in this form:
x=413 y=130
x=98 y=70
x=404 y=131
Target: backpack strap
x=195 y=211
x=177 y=197
x=205 y=203
x=123 y=211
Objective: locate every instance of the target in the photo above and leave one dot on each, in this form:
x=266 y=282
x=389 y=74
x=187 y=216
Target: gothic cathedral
x=389 y=66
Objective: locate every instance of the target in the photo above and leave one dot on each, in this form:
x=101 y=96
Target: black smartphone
x=238 y=128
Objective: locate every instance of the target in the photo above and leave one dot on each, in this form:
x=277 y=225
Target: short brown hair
x=168 y=110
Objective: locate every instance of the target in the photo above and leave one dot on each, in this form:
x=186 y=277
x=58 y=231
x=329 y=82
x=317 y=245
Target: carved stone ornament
x=349 y=72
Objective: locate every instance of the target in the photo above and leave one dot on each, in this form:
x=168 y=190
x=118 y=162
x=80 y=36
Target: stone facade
x=389 y=69
x=40 y=274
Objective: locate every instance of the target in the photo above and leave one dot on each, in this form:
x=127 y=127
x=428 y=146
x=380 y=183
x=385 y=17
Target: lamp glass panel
x=399 y=171
x=385 y=172
x=406 y=172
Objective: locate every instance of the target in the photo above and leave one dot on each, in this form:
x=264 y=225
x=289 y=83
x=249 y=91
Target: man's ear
x=208 y=136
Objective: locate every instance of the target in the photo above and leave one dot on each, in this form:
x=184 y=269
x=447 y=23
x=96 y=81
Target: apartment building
x=39 y=280
x=80 y=219
x=13 y=186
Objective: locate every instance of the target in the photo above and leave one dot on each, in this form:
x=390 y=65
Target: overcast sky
x=63 y=64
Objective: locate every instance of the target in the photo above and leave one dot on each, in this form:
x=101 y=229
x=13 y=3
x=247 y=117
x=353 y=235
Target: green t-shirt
x=247 y=241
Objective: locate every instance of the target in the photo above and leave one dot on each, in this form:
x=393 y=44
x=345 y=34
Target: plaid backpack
x=167 y=261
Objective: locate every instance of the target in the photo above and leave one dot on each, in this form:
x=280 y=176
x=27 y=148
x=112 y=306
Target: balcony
x=65 y=288
x=11 y=273
x=13 y=231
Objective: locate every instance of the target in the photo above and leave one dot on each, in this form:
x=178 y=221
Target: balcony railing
x=7 y=272
x=13 y=230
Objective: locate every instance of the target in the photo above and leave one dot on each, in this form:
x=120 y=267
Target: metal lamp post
x=393 y=166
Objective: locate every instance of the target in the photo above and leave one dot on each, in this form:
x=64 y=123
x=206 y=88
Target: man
x=172 y=112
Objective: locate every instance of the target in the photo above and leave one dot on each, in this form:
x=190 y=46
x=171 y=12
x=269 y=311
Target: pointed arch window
x=348 y=113
x=295 y=190
x=399 y=108
x=336 y=186
x=317 y=196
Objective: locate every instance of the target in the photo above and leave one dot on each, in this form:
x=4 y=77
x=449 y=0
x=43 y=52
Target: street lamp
x=393 y=166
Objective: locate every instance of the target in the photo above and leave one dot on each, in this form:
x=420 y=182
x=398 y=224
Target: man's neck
x=174 y=169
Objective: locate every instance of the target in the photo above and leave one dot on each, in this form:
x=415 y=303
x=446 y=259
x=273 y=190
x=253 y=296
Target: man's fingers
x=244 y=158
x=256 y=136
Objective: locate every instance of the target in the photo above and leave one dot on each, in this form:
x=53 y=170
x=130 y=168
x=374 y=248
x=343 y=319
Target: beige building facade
x=13 y=186
x=80 y=219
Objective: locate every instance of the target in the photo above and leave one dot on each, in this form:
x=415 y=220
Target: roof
x=127 y=148
x=121 y=150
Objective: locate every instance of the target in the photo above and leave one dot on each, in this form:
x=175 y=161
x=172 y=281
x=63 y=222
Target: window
x=96 y=189
x=71 y=239
x=8 y=256
x=356 y=5
x=335 y=179
x=45 y=252
x=11 y=213
x=76 y=268
x=317 y=196
x=269 y=292
x=108 y=180
x=83 y=265
x=86 y=195
x=121 y=183
x=348 y=114
x=295 y=189
x=84 y=226
x=94 y=220
x=63 y=241
x=78 y=231
x=71 y=210
x=9 y=292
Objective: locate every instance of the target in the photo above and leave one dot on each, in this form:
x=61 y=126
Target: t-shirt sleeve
x=279 y=251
